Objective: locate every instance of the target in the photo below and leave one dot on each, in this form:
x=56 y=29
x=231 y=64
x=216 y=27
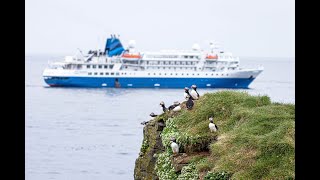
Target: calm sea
x=87 y=133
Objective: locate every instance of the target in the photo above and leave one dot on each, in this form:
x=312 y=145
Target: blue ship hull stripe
x=128 y=82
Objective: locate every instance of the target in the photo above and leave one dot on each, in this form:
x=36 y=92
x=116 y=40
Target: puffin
x=153 y=115
x=174 y=146
x=177 y=106
x=186 y=93
x=163 y=106
x=212 y=126
x=144 y=122
x=195 y=95
x=189 y=103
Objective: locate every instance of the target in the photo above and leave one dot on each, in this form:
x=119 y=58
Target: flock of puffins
x=190 y=97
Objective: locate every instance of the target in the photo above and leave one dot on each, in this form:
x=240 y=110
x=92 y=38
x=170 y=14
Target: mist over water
x=89 y=133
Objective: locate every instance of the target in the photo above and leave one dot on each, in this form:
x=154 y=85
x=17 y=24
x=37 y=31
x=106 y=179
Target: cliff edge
x=255 y=140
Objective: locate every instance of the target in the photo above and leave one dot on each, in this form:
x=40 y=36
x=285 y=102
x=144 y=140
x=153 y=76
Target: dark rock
x=145 y=163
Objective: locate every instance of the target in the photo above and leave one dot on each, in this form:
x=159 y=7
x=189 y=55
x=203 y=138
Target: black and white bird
x=153 y=115
x=172 y=107
x=174 y=146
x=189 y=103
x=144 y=122
x=163 y=106
x=186 y=93
x=212 y=126
x=177 y=106
x=194 y=93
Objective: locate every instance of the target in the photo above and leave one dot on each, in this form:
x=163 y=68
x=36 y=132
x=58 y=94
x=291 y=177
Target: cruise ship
x=121 y=67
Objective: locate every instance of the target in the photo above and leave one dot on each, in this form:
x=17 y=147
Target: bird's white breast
x=186 y=96
x=194 y=94
x=212 y=127
x=178 y=108
x=175 y=147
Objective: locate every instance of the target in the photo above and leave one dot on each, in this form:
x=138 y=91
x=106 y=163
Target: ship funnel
x=113 y=46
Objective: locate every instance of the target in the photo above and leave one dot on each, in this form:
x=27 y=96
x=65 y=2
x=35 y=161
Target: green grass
x=255 y=137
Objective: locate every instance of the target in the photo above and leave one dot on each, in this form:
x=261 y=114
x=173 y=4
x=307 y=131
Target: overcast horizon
x=246 y=28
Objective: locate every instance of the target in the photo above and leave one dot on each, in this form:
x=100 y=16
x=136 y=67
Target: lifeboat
x=212 y=57
x=132 y=56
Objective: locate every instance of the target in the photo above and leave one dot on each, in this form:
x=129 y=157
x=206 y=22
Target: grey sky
x=264 y=28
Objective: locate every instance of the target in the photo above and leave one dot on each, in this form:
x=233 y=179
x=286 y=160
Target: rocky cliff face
x=152 y=144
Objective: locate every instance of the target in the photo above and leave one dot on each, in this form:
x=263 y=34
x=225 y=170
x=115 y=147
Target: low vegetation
x=255 y=139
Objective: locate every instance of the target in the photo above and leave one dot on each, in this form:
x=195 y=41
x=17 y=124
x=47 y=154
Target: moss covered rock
x=255 y=140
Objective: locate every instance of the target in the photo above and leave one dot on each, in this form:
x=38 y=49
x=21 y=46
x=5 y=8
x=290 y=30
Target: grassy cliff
x=255 y=139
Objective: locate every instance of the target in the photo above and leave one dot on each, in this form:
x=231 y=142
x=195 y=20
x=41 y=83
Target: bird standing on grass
x=174 y=146
x=153 y=115
x=212 y=126
x=186 y=93
x=194 y=93
x=163 y=106
x=189 y=103
x=175 y=107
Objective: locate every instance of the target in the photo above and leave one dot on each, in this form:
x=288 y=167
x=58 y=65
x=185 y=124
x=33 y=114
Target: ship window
x=107 y=73
x=117 y=73
x=165 y=73
x=101 y=73
x=89 y=73
x=94 y=66
x=187 y=74
x=169 y=68
x=164 y=68
x=227 y=74
x=95 y=73
x=185 y=56
x=171 y=74
x=191 y=57
x=148 y=73
x=221 y=74
x=154 y=73
x=125 y=73
x=174 y=68
x=212 y=74
x=176 y=73
x=180 y=67
x=106 y=66
x=112 y=73
x=216 y=74
x=198 y=74
x=158 y=67
x=100 y=66
x=206 y=74
x=121 y=73
x=159 y=73
x=192 y=74
x=111 y=66
x=182 y=74
x=88 y=66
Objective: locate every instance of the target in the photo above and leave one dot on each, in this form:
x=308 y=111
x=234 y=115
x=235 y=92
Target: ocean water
x=87 y=133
